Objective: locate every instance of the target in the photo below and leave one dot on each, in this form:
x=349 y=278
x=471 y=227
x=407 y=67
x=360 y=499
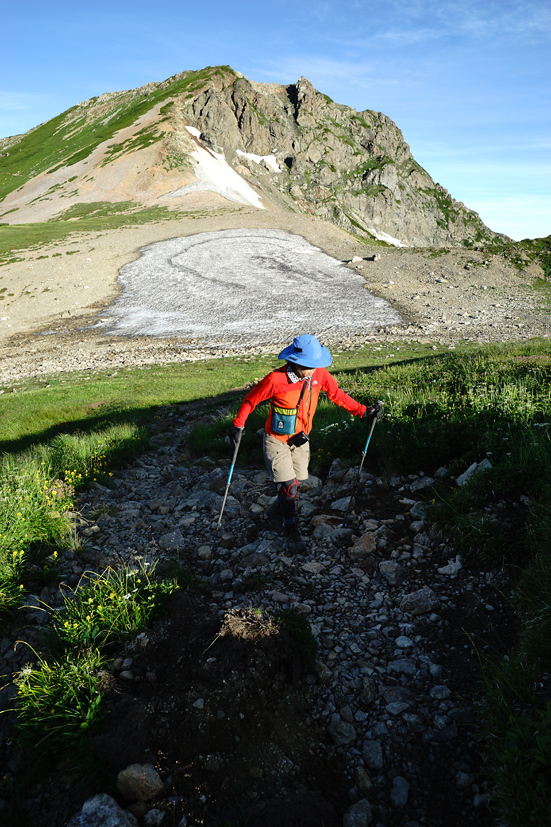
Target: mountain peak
x=351 y=168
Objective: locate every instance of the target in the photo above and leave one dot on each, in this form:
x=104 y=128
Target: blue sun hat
x=307 y=352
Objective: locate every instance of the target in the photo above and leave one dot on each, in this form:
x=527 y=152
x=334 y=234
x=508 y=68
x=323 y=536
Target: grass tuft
x=112 y=608
x=59 y=701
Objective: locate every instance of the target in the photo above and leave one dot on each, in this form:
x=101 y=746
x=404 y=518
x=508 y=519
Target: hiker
x=293 y=390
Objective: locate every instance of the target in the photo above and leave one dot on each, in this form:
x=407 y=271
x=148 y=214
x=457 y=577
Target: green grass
x=32 y=506
x=59 y=700
x=37 y=489
x=80 y=218
x=516 y=705
x=89 y=401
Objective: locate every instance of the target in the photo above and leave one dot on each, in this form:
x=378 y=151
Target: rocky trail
x=228 y=722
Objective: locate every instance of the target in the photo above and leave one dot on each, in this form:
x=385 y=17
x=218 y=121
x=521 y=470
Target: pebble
x=440 y=693
x=399 y=793
x=360 y=814
x=102 y=809
x=342 y=733
x=404 y=642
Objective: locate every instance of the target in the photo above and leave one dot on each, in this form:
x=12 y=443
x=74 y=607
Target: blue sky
x=468 y=82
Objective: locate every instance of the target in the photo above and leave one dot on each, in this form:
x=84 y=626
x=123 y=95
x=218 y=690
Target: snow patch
x=250 y=286
x=214 y=174
x=386 y=237
x=271 y=160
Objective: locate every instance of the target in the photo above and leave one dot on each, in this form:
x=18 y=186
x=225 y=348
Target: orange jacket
x=285 y=394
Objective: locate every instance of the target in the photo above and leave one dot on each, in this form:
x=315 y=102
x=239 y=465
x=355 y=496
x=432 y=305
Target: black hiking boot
x=295 y=543
x=274 y=513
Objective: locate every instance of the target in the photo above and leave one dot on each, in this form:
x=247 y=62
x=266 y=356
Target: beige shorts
x=285 y=462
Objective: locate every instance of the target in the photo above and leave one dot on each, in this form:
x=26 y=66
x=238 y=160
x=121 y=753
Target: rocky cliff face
x=351 y=168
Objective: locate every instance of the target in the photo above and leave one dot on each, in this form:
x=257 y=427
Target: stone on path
x=342 y=733
x=139 y=782
x=172 y=540
x=421 y=483
x=420 y=602
x=372 y=753
x=103 y=811
x=363 y=546
x=359 y=814
x=400 y=792
x=392 y=571
x=452 y=567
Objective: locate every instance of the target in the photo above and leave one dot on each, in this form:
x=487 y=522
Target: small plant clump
x=60 y=700
x=115 y=606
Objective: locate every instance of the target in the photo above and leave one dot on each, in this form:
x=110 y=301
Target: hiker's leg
x=278 y=459
x=289 y=489
x=286 y=499
x=279 y=462
x=301 y=459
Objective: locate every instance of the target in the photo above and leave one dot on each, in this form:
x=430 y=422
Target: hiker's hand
x=375 y=410
x=235 y=434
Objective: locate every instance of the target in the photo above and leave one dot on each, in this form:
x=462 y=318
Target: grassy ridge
x=73 y=135
x=441 y=408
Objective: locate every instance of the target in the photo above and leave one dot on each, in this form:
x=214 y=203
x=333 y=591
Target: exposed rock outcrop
x=352 y=168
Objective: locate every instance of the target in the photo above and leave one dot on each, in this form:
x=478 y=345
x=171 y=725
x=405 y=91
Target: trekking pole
x=230 y=476
x=356 y=481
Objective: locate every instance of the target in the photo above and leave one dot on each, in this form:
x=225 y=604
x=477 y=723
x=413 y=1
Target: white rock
x=421 y=483
x=453 y=567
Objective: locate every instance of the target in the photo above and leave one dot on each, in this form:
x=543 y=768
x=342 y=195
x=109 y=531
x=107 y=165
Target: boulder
x=420 y=602
x=139 y=782
x=103 y=811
